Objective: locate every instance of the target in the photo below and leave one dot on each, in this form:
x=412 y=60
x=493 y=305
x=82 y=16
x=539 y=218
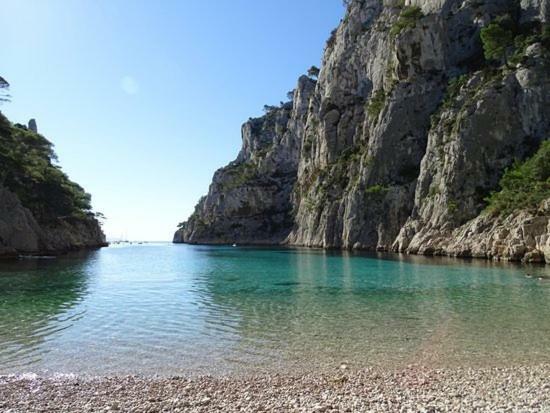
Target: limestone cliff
x=249 y=200
x=41 y=210
x=409 y=128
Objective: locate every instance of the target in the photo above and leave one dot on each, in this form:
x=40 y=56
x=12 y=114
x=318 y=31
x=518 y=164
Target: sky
x=144 y=100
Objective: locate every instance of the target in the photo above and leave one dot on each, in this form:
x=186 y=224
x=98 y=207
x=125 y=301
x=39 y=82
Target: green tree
x=525 y=185
x=407 y=20
x=27 y=168
x=269 y=108
x=497 y=39
x=313 y=71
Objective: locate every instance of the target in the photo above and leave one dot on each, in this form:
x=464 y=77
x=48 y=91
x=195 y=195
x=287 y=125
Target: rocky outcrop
x=494 y=120
x=41 y=210
x=20 y=233
x=249 y=200
x=33 y=126
x=399 y=142
x=522 y=236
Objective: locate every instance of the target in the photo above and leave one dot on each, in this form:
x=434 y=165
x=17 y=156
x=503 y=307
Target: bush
x=496 y=40
x=523 y=186
x=407 y=19
x=376 y=103
x=376 y=189
x=313 y=71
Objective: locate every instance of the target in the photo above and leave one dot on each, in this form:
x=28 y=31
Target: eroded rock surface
x=20 y=233
x=398 y=143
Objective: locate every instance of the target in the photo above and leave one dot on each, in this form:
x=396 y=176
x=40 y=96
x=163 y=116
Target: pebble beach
x=411 y=389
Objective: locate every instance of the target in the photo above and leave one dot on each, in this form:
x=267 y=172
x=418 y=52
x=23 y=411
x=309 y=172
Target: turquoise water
x=179 y=309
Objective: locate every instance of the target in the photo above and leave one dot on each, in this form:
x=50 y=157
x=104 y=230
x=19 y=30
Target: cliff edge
x=404 y=140
x=41 y=210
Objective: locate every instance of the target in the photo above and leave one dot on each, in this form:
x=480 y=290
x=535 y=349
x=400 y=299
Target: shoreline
x=19 y=255
x=359 y=251
x=414 y=388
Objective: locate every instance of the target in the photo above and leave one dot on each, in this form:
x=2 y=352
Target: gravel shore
x=413 y=389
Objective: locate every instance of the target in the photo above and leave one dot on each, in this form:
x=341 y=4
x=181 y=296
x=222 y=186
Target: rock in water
x=399 y=142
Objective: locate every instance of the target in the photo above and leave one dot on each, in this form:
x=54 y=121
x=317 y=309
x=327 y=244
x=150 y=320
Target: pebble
x=410 y=389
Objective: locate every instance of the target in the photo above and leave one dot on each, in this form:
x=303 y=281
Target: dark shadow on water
x=33 y=293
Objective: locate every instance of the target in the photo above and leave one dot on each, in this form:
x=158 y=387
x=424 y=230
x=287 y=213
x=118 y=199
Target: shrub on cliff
x=497 y=38
x=407 y=19
x=525 y=185
x=313 y=72
x=376 y=103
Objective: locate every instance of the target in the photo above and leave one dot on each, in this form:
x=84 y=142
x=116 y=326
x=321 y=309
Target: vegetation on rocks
x=313 y=72
x=505 y=40
x=240 y=174
x=497 y=38
x=376 y=189
x=455 y=122
x=27 y=168
x=376 y=103
x=407 y=19
x=525 y=185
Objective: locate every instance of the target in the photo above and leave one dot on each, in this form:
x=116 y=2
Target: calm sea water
x=179 y=309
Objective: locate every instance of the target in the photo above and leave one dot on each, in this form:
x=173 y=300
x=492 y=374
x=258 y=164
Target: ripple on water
x=174 y=309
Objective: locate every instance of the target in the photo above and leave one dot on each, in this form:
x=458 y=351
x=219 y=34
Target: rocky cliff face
x=249 y=200
x=20 y=233
x=41 y=210
x=399 y=142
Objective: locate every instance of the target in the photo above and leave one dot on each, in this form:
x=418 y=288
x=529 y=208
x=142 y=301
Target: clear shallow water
x=180 y=309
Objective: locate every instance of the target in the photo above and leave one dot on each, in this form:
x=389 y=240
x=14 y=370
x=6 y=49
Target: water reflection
x=37 y=297
x=333 y=307
x=166 y=309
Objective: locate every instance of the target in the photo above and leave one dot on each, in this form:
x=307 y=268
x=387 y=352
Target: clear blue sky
x=144 y=100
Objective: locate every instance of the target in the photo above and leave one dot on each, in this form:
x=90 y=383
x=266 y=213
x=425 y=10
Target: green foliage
x=376 y=189
x=521 y=42
x=270 y=108
x=452 y=206
x=496 y=39
x=240 y=174
x=313 y=71
x=505 y=40
x=454 y=87
x=407 y=19
x=523 y=186
x=332 y=39
x=376 y=103
x=27 y=169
